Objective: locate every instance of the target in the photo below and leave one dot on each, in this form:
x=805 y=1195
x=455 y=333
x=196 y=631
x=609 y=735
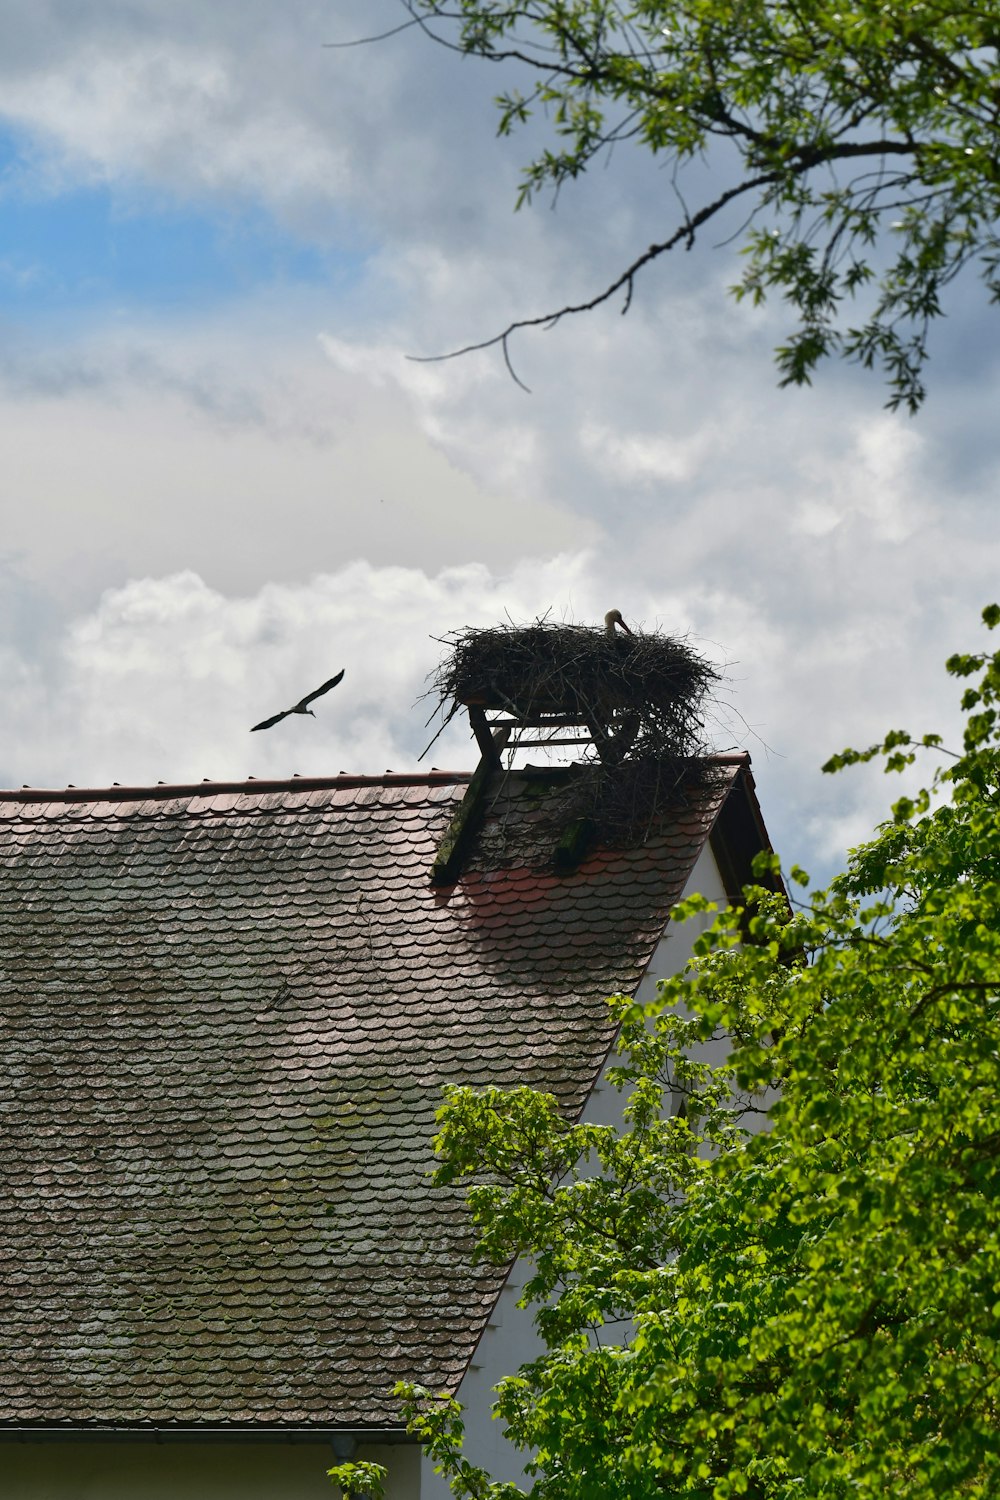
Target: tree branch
x=803 y=161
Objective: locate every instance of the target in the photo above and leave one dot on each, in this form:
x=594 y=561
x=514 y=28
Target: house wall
x=670 y=955
x=72 y=1470
x=510 y=1338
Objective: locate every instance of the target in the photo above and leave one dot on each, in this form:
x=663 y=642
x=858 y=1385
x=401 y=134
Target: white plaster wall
x=510 y=1338
x=508 y=1341
x=68 y=1470
x=670 y=955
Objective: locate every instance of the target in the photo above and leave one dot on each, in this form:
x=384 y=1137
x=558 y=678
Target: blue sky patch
x=97 y=246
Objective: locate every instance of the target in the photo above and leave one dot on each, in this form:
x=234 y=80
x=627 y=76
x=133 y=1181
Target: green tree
x=811 y=1309
x=858 y=139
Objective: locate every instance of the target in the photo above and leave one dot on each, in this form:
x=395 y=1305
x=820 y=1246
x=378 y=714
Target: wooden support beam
x=542 y=721
x=600 y=737
x=488 y=747
x=464 y=826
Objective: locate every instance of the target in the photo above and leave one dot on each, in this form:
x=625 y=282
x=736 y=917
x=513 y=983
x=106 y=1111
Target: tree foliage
x=859 y=137
x=811 y=1309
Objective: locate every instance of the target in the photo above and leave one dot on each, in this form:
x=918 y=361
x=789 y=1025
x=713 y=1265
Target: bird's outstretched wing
x=320 y=690
x=268 y=722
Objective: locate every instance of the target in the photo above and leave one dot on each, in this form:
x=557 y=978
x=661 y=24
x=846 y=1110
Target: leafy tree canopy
x=811 y=1309
x=863 y=140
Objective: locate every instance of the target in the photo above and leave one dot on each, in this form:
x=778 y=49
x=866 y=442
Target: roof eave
x=738 y=834
x=202 y=1432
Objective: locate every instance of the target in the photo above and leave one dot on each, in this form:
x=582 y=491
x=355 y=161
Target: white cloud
x=645 y=458
x=876 y=479
x=169 y=115
x=234 y=101
x=244 y=456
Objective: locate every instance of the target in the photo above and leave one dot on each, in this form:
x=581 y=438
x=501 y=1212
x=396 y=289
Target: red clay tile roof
x=226 y=1014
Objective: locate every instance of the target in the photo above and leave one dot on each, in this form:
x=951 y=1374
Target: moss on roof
x=226 y=1017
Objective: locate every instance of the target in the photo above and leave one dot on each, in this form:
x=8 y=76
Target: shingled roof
x=227 y=1012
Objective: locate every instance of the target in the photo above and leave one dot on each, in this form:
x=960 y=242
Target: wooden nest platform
x=642 y=694
x=633 y=702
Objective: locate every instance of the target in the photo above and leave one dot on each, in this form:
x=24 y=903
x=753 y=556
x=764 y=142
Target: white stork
x=302 y=707
x=611 y=619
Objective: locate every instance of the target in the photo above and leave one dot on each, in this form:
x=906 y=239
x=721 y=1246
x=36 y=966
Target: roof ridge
x=208 y=788
x=166 y=790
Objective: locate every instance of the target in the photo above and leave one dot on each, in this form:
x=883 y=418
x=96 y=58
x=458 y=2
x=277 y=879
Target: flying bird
x=613 y=618
x=302 y=707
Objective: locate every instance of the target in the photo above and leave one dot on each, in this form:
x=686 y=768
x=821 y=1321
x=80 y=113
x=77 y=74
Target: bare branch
x=549 y=320
x=805 y=162
x=381 y=36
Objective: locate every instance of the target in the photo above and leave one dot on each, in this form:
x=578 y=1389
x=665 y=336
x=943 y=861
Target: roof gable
x=227 y=1015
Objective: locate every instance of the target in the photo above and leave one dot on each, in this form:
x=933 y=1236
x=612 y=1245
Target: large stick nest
x=644 y=692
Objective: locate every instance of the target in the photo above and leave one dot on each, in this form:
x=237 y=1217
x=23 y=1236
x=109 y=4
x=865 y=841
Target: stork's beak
x=621 y=622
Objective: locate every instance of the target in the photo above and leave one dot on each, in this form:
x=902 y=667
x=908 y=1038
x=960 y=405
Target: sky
x=223 y=479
